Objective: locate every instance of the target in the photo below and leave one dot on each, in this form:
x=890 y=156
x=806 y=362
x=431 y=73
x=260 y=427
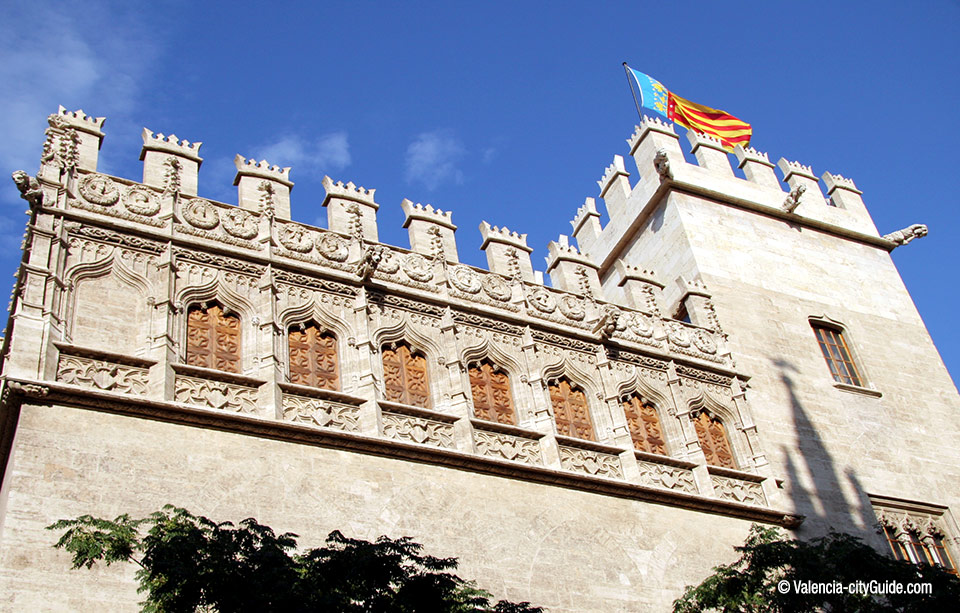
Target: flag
x=721 y=125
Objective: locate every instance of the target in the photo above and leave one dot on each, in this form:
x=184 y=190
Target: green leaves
x=191 y=563
x=766 y=559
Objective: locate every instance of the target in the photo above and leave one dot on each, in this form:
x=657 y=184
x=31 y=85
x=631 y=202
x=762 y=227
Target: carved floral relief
x=102 y=375
x=418 y=430
x=590 y=462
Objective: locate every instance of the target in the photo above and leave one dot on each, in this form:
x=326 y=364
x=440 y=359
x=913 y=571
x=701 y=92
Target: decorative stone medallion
x=333 y=247
x=239 y=223
x=543 y=301
x=496 y=287
x=141 y=201
x=465 y=279
x=295 y=238
x=572 y=308
x=678 y=335
x=99 y=189
x=417 y=267
x=704 y=341
x=201 y=214
x=640 y=325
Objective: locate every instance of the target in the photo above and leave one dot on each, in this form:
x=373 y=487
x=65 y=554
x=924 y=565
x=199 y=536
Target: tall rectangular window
x=313 y=357
x=837 y=354
x=213 y=338
x=405 y=376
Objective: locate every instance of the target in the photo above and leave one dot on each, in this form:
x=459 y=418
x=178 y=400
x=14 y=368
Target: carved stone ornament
x=320 y=413
x=97 y=374
x=678 y=335
x=662 y=163
x=369 y=261
x=496 y=287
x=904 y=236
x=418 y=430
x=200 y=213
x=417 y=267
x=590 y=462
x=465 y=279
x=240 y=223
x=389 y=263
x=670 y=477
x=333 y=247
x=792 y=200
x=572 y=307
x=543 y=301
x=295 y=238
x=141 y=201
x=99 y=189
x=507 y=447
x=28 y=187
x=704 y=341
x=737 y=490
x=640 y=325
x=215 y=395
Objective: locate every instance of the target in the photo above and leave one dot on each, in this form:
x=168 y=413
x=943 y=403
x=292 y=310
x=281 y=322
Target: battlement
x=81 y=121
x=348 y=191
x=261 y=169
x=431 y=230
x=170 y=144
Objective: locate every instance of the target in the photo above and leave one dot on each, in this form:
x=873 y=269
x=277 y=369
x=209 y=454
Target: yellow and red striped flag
x=721 y=125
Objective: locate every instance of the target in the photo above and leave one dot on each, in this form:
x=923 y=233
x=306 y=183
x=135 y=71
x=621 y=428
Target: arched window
x=213 y=338
x=491 y=394
x=570 y=410
x=405 y=376
x=313 y=357
x=713 y=440
x=644 y=423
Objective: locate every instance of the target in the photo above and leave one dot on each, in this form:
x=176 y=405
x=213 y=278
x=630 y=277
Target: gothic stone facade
x=721 y=352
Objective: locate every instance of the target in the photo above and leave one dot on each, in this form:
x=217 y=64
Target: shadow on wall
x=815 y=485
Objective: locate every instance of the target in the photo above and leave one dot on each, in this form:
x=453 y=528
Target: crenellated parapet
x=507 y=252
x=710 y=153
x=586 y=224
x=804 y=185
x=649 y=139
x=756 y=167
x=431 y=231
x=571 y=270
x=170 y=163
x=263 y=188
x=643 y=289
x=73 y=141
x=615 y=186
x=351 y=209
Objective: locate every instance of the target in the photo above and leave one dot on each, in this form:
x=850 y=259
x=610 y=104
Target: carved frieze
x=390 y=300
x=201 y=213
x=712 y=378
x=669 y=477
x=418 y=430
x=226 y=263
x=316 y=283
x=507 y=447
x=590 y=462
x=215 y=394
x=738 y=490
x=102 y=375
x=324 y=413
x=564 y=342
x=115 y=238
x=472 y=319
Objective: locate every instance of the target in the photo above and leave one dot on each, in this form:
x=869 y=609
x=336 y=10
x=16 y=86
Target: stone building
x=720 y=352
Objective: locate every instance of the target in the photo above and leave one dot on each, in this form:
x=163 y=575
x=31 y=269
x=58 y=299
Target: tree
x=755 y=582
x=190 y=563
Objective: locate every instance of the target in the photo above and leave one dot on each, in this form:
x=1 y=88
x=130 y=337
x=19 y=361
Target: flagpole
x=626 y=70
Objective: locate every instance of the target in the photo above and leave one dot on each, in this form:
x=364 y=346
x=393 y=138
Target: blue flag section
x=653 y=95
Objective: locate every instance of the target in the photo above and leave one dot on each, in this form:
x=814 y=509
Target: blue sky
x=500 y=111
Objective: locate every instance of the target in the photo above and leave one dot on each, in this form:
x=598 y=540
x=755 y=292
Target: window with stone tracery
x=915 y=532
x=490 y=388
x=644 y=424
x=213 y=338
x=405 y=376
x=313 y=357
x=570 y=410
x=714 y=440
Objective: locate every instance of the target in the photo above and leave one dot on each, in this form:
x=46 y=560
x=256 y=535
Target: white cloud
x=432 y=159
x=330 y=152
x=57 y=53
